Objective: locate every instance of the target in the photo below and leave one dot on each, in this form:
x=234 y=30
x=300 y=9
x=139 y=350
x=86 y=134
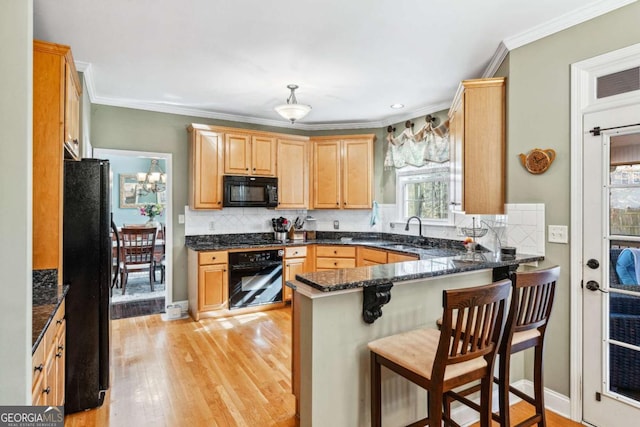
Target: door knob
x=592 y=285
x=593 y=264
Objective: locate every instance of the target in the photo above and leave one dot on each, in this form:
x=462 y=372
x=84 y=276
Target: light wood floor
x=216 y=372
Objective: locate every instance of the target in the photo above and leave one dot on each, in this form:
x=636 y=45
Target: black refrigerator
x=86 y=268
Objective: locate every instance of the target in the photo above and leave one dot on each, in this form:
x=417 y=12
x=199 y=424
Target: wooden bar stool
x=438 y=361
x=529 y=310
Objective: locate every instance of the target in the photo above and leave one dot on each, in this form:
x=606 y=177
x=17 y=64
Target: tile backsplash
x=522 y=226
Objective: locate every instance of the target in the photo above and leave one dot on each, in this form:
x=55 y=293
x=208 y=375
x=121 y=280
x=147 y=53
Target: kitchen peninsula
x=331 y=329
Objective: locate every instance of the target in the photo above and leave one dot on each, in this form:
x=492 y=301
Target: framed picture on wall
x=128 y=191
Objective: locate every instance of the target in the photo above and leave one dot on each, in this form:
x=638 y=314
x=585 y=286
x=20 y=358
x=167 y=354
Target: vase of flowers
x=152 y=210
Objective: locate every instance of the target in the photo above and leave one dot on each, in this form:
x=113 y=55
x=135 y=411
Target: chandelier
x=153 y=181
x=292 y=110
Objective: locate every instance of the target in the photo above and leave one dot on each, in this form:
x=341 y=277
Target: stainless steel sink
x=399 y=246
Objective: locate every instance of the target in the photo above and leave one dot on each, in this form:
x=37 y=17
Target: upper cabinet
x=205 y=167
x=293 y=173
x=477 y=133
x=56 y=121
x=342 y=172
x=247 y=154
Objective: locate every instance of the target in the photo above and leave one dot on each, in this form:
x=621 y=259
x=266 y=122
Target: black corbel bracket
x=375 y=296
x=505 y=272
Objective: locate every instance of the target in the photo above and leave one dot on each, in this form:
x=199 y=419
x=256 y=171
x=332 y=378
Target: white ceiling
x=351 y=58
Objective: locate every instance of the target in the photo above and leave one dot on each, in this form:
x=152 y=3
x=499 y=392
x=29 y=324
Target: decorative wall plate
x=538 y=160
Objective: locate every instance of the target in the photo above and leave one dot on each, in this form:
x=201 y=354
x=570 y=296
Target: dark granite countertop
x=351 y=278
x=47 y=297
x=423 y=247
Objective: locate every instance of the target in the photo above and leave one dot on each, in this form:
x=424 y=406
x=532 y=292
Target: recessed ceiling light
x=397 y=106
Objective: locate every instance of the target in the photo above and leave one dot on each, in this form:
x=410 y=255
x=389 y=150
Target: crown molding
x=565 y=21
x=496 y=60
x=87 y=71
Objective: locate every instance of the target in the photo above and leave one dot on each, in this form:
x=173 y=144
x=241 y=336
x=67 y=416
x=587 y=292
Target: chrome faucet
x=406 y=227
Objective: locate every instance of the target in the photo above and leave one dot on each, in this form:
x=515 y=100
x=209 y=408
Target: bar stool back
x=438 y=361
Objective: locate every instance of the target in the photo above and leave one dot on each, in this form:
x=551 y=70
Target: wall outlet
x=558 y=234
x=212 y=226
x=336 y=225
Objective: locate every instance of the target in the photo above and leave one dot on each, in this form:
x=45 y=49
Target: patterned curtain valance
x=429 y=144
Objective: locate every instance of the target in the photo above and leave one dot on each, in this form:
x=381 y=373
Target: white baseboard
x=554 y=402
x=184 y=306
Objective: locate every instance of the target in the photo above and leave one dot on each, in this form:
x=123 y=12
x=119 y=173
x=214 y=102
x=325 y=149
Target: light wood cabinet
x=477 y=132
x=368 y=256
x=247 y=154
x=342 y=172
x=208 y=281
x=294 y=263
x=56 y=97
x=205 y=168
x=48 y=363
x=335 y=257
x=293 y=173
x=397 y=257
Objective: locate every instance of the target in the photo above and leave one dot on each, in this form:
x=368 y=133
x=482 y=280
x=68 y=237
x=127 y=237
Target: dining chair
x=463 y=351
x=159 y=253
x=138 y=245
x=529 y=310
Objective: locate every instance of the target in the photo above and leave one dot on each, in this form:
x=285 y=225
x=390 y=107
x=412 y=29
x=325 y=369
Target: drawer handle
x=40 y=367
x=46 y=390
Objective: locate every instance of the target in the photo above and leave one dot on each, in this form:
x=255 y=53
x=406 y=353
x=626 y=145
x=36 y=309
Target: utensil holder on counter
x=280 y=236
x=296 y=235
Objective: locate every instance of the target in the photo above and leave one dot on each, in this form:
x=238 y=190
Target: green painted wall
x=538 y=116
x=16 y=134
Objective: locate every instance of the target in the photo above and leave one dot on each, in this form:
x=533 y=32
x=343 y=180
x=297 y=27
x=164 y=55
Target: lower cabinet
x=368 y=256
x=335 y=257
x=396 y=257
x=295 y=262
x=208 y=281
x=48 y=363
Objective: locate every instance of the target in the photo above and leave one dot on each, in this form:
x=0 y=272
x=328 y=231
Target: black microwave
x=250 y=191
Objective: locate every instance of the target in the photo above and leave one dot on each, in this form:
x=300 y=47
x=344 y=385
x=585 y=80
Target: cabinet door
x=206 y=168
x=263 y=156
x=357 y=169
x=293 y=266
x=293 y=174
x=49 y=386
x=396 y=257
x=71 y=112
x=237 y=154
x=456 y=133
x=61 y=352
x=484 y=147
x=326 y=174
x=212 y=283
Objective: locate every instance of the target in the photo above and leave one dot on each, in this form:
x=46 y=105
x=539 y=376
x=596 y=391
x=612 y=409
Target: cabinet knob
x=59 y=354
x=337 y=203
x=60 y=347
x=254 y=169
x=246 y=169
x=335 y=252
x=46 y=390
x=344 y=203
x=212 y=258
x=335 y=263
x=59 y=321
x=219 y=202
x=40 y=367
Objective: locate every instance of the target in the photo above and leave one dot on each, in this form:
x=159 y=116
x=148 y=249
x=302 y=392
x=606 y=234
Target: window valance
x=429 y=144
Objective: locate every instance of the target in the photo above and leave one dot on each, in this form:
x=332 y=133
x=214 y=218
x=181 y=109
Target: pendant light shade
x=293 y=111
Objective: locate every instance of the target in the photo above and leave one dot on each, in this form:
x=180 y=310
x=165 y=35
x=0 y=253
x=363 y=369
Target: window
x=424 y=192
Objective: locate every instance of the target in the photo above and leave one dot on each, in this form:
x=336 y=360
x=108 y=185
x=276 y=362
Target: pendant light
x=292 y=110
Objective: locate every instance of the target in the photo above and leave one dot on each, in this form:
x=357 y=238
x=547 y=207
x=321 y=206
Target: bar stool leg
x=538 y=386
x=376 y=398
x=503 y=388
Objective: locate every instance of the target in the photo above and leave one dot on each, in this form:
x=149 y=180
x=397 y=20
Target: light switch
x=180 y=219
x=558 y=234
